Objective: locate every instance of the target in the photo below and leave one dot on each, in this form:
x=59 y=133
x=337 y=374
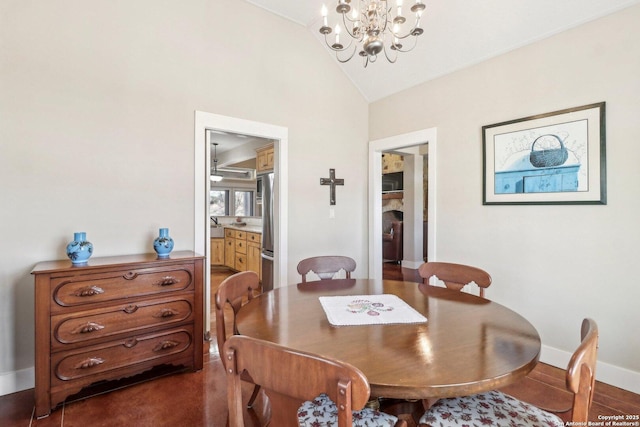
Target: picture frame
x=547 y=159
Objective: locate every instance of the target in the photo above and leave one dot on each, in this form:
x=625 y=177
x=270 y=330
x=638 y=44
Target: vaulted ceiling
x=457 y=34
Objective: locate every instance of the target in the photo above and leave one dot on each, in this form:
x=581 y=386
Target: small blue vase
x=163 y=244
x=79 y=250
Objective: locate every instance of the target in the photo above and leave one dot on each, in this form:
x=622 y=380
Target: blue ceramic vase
x=163 y=244
x=79 y=250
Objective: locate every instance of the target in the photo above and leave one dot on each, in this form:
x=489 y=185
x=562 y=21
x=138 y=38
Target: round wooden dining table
x=467 y=345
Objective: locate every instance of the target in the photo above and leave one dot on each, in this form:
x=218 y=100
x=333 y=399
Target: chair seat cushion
x=492 y=408
x=322 y=412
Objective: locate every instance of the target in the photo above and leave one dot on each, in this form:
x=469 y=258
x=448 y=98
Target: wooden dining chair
x=455 y=276
x=325 y=267
x=507 y=410
x=234 y=291
x=325 y=381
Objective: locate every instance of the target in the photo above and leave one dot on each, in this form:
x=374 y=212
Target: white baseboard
x=606 y=373
x=12 y=382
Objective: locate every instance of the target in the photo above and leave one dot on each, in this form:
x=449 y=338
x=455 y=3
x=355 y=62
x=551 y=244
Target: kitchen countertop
x=248 y=228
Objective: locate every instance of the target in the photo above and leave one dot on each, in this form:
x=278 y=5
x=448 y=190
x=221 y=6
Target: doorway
x=408 y=143
x=207 y=122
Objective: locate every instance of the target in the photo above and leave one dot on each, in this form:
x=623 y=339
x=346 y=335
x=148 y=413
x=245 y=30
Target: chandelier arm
x=342 y=61
x=402 y=37
x=403 y=50
x=386 y=54
x=330 y=46
x=410 y=32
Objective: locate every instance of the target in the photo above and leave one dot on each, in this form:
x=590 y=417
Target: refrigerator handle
x=265 y=256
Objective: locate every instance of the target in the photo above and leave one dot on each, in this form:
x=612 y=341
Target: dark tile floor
x=195 y=399
x=186 y=399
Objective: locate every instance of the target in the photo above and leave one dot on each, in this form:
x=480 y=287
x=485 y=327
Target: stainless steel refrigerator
x=268 y=219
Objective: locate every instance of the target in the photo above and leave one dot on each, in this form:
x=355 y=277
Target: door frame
x=202 y=228
x=376 y=148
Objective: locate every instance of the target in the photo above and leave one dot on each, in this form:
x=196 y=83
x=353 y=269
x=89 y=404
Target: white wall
x=97 y=104
x=553 y=264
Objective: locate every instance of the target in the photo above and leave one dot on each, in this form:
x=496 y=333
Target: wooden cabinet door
x=265 y=158
x=270 y=155
x=230 y=252
x=217 y=251
x=254 y=262
x=253 y=258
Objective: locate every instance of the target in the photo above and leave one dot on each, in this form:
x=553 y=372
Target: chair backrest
x=234 y=290
x=455 y=276
x=581 y=371
x=326 y=266
x=299 y=375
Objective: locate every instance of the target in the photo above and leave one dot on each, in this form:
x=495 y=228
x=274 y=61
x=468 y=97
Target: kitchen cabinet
x=217 y=251
x=242 y=250
x=230 y=248
x=392 y=163
x=254 y=262
x=113 y=318
x=265 y=158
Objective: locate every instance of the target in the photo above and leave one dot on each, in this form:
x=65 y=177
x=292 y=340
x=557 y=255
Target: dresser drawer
x=84 y=326
x=73 y=291
x=92 y=364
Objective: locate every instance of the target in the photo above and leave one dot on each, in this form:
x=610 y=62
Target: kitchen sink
x=217 y=231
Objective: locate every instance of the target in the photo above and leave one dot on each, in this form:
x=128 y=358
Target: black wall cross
x=332 y=181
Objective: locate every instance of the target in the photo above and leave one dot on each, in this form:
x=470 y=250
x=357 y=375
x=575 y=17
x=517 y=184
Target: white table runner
x=369 y=310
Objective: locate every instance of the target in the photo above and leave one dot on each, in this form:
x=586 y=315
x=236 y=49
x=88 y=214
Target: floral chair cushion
x=322 y=412
x=493 y=408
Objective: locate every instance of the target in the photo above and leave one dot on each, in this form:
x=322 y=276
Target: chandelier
x=373 y=27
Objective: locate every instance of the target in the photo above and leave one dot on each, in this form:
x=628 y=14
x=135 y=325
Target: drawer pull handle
x=88 y=291
x=89 y=363
x=131 y=342
x=168 y=281
x=88 y=328
x=164 y=345
x=131 y=308
x=130 y=275
x=167 y=312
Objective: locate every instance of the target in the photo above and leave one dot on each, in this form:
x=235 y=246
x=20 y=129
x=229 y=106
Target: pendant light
x=215 y=176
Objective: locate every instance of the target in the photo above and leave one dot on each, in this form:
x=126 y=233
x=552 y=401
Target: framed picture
x=552 y=158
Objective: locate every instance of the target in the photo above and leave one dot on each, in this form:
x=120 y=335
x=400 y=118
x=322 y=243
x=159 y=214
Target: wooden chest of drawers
x=113 y=318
